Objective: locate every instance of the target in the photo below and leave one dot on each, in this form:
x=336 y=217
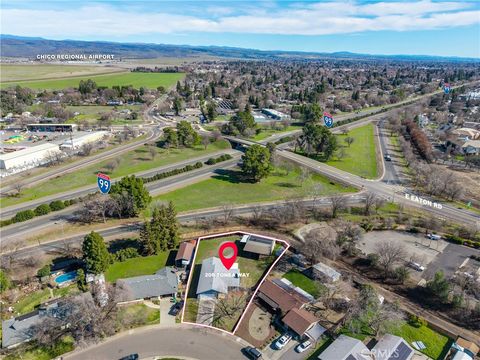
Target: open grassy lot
x=137 y=80
x=304 y=282
x=360 y=158
x=11 y=72
x=129 y=163
x=28 y=303
x=94 y=112
x=227 y=188
x=436 y=343
x=137 y=315
x=35 y=352
x=266 y=132
x=137 y=266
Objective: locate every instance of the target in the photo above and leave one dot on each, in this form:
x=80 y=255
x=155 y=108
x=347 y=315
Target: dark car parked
x=176 y=308
x=130 y=357
x=252 y=352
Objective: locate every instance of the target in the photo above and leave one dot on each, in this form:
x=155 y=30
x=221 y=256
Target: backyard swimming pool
x=69 y=276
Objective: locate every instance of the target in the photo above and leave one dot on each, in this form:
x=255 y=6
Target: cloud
x=301 y=18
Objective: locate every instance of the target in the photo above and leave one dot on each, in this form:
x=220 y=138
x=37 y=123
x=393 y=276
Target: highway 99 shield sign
x=446 y=88
x=327 y=119
x=103 y=182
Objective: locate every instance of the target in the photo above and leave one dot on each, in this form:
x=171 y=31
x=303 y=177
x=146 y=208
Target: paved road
x=60 y=242
x=17 y=231
x=182 y=340
x=85 y=190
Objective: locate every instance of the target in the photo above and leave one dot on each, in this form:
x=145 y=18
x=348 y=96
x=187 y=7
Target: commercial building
x=44 y=127
x=27 y=157
x=275 y=114
x=77 y=142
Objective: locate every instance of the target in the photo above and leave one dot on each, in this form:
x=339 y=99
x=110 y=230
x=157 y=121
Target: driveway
x=206 y=308
x=165 y=317
x=180 y=341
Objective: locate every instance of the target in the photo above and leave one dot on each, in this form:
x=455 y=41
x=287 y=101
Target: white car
x=434 y=236
x=416 y=266
x=303 y=346
x=284 y=339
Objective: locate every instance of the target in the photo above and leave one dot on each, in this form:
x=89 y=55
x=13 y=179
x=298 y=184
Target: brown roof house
x=184 y=254
x=303 y=323
x=278 y=298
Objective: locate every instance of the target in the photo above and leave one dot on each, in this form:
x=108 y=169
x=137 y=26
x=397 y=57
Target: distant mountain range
x=30 y=47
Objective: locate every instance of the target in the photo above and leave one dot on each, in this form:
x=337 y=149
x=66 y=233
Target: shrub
x=413 y=230
x=43 y=209
x=6 y=222
x=373 y=259
x=57 y=205
x=417 y=321
x=23 y=216
x=44 y=271
x=124 y=254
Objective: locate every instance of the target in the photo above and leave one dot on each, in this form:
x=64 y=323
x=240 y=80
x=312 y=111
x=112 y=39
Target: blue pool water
x=69 y=276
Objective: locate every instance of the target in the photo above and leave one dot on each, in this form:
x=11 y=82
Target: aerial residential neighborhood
x=221 y=180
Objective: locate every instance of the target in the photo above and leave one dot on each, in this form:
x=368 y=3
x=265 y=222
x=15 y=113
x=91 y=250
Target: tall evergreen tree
x=173 y=233
x=95 y=253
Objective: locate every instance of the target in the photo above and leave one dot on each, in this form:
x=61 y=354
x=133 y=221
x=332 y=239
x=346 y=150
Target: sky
x=412 y=27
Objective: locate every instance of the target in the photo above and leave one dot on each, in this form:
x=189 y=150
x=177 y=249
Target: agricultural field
x=135 y=79
x=228 y=188
x=10 y=72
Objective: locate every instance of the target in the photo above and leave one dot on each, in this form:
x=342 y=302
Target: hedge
x=213 y=161
x=173 y=172
x=42 y=209
x=23 y=215
x=461 y=241
x=57 y=205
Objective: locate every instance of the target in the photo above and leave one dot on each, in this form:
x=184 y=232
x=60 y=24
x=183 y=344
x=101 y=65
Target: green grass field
x=11 y=72
x=29 y=302
x=131 y=162
x=94 y=112
x=266 y=132
x=137 y=315
x=360 y=157
x=37 y=352
x=304 y=282
x=137 y=80
x=436 y=343
x=227 y=188
x=137 y=266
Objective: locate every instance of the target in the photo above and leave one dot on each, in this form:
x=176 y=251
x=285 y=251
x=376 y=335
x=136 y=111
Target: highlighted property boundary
x=260 y=282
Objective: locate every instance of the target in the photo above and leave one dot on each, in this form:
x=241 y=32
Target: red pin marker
x=228 y=262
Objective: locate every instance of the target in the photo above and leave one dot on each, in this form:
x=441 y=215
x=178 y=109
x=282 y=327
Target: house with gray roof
x=18 y=330
x=392 y=347
x=163 y=283
x=346 y=348
x=215 y=278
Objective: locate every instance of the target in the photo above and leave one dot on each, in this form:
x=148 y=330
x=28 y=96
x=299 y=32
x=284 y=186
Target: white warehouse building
x=77 y=142
x=27 y=158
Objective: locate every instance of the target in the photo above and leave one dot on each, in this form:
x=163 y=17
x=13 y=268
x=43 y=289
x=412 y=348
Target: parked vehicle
x=416 y=266
x=130 y=357
x=387 y=157
x=284 y=340
x=252 y=352
x=303 y=346
x=175 y=309
x=434 y=236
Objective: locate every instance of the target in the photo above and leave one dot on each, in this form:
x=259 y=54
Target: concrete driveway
x=165 y=317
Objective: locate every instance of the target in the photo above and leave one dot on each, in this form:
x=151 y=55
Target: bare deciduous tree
x=337 y=203
x=390 y=253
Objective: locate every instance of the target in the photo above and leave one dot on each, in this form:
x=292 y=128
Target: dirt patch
x=256 y=327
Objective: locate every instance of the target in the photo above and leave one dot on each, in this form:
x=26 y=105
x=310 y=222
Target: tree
x=134 y=187
x=338 y=203
x=81 y=281
x=4 y=281
x=390 y=253
x=161 y=233
x=42 y=209
x=187 y=136
x=153 y=151
x=44 y=271
x=177 y=105
x=438 y=287
x=205 y=141
x=95 y=253
x=370 y=200
x=170 y=138
x=317 y=139
x=349 y=140
x=256 y=163
x=242 y=121
x=211 y=111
